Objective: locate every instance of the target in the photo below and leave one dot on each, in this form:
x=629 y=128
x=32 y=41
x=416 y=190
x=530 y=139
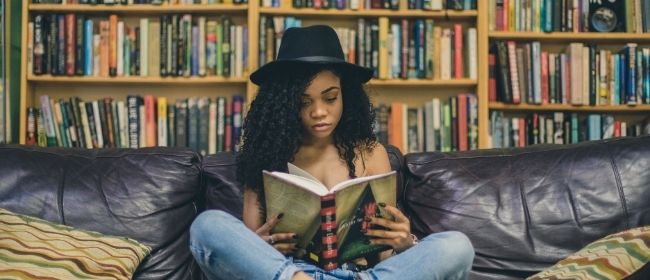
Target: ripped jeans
x=226 y=249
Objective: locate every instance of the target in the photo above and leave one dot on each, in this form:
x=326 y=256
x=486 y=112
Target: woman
x=312 y=111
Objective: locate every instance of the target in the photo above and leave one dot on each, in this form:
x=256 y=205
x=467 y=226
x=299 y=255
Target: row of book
x=4 y=124
x=559 y=128
x=376 y=4
x=406 y=49
x=570 y=15
x=128 y=2
x=439 y=125
x=582 y=75
x=203 y=124
x=172 y=45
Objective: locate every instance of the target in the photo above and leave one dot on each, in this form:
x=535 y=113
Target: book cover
x=312 y=211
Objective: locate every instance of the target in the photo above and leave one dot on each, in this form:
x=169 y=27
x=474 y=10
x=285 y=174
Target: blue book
x=594 y=127
x=88 y=48
x=617 y=76
x=574 y=128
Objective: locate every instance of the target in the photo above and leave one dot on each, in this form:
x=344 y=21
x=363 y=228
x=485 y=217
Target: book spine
x=112 y=45
x=134 y=122
x=120 y=48
x=164 y=38
x=328 y=227
x=79 y=46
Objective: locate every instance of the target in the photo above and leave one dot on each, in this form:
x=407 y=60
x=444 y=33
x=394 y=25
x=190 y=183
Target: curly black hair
x=272 y=129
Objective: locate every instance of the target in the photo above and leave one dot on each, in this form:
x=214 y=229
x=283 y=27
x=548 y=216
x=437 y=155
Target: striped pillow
x=32 y=248
x=616 y=256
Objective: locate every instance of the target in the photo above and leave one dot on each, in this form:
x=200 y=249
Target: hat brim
x=361 y=74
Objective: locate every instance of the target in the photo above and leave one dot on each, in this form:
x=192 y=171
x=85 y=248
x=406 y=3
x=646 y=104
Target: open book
x=328 y=223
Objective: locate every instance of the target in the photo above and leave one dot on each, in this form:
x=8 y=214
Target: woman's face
x=322 y=106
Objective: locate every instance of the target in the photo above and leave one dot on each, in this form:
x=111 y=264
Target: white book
x=98 y=125
x=354 y=4
x=212 y=129
x=123 y=124
x=202 y=55
x=96 y=54
x=143 y=125
x=120 y=48
x=436 y=5
x=472 y=53
x=395 y=47
x=537 y=72
x=575 y=63
x=430 y=144
x=84 y=124
x=144 y=47
x=623 y=129
x=445 y=55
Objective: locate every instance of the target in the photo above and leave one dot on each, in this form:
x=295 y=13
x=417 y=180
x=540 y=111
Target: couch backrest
x=144 y=194
x=224 y=192
x=525 y=209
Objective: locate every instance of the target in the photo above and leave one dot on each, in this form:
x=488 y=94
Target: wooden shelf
x=423 y=83
x=136 y=80
x=571 y=36
x=573 y=108
x=140 y=8
x=368 y=13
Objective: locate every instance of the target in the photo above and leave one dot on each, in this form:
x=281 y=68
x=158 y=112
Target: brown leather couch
x=523 y=209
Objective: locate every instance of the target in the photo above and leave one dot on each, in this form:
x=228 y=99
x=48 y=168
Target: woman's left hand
x=396 y=234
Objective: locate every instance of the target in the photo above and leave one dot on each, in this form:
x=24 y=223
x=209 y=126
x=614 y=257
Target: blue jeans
x=226 y=249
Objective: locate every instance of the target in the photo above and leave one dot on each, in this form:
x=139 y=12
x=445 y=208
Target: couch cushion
x=617 y=256
x=144 y=194
x=224 y=192
x=525 y=209
x=32 y=248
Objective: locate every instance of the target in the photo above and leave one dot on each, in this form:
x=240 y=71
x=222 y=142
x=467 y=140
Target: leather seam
x=619 y=187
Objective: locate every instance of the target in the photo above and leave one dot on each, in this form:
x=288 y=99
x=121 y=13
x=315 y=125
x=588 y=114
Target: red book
x=458 y=51
x=462 y=122
x=492 y=83
x=70 y=46
x=617 y=129
x=150 y=120
x=522 y=132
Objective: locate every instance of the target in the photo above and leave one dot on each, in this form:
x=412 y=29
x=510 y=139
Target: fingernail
x=382 y=204
x=280 y=215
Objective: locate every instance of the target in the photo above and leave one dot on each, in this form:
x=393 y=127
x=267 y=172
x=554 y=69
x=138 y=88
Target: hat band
x=315 y=59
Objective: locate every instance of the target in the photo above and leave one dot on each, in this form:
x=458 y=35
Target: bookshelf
x=413 y=92
x=557 y=45
x=381 y=90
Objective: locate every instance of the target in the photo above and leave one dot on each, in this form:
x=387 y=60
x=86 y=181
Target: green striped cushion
x=616 y=256
x=32 y=248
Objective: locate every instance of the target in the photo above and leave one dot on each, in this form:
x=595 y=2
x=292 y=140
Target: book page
x=306 y=183
x=358 y=180
x=301 y=208
x=295 y=170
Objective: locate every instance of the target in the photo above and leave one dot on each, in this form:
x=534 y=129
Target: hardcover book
x=329 y=223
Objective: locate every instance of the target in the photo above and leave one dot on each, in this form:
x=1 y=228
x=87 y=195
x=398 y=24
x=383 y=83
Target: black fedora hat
x=316 y=44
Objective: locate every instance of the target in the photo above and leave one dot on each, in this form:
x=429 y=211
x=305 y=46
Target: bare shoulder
x=377 y=161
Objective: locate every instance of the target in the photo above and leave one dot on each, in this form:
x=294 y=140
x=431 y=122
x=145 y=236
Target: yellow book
x=162 y=121
x=383 y=48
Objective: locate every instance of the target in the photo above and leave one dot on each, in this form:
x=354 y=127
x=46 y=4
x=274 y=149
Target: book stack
x=403 y=49
x=582 y=75
x=559 y=128
x=128 y=2
x=170 y=46
x=377 y=4
x=450 y=125
x=567 y=15
x=204 y=125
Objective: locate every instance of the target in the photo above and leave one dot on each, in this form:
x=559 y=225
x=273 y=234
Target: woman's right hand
x=283 y=242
